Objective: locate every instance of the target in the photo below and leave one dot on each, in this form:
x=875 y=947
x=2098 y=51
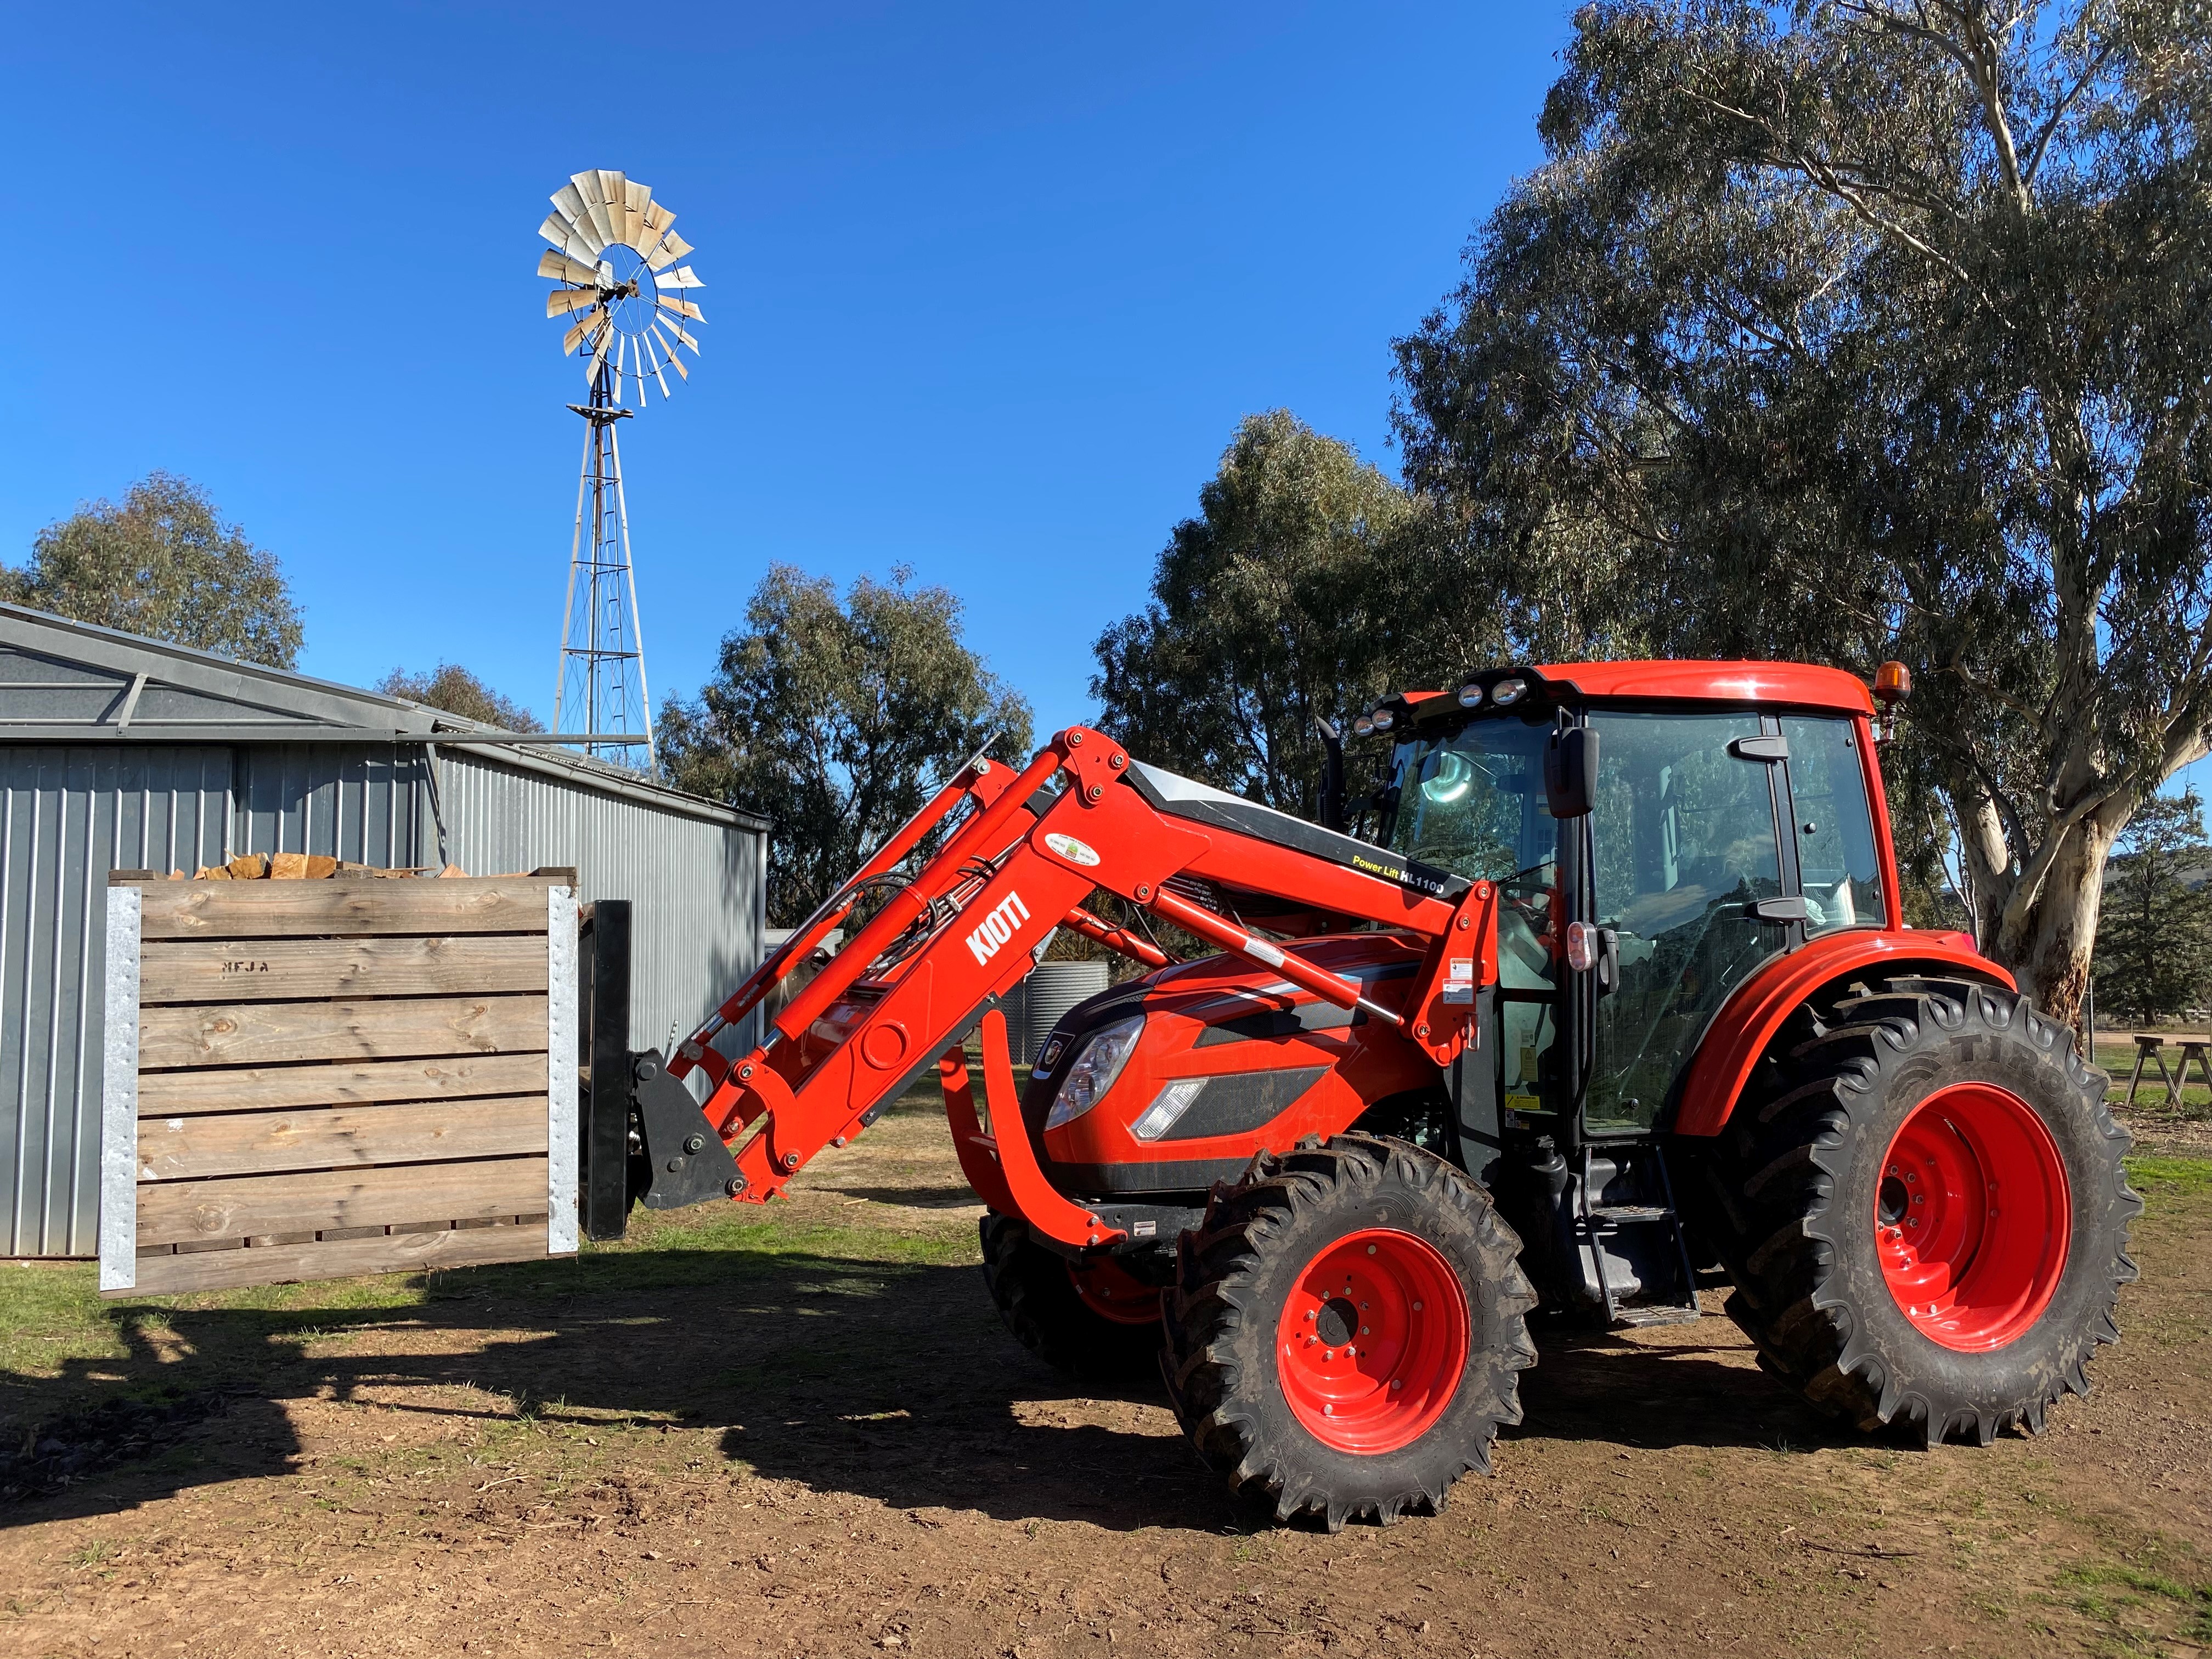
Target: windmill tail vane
x=626 y=300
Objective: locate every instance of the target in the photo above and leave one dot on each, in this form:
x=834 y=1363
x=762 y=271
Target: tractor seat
x=1185 y=798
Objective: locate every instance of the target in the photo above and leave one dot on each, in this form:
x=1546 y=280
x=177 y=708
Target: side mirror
x=1331 y=774
x=1570 y=772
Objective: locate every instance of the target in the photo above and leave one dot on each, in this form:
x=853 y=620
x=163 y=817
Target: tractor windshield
x=1472 y=803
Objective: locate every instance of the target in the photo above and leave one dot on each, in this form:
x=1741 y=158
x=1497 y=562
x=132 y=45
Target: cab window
x=1683 y=836
x=1837 y=863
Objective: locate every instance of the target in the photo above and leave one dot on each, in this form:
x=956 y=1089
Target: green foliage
x=1849 y=331
x=836 y=720
x=1308 y=584
x=2154 y=930
x=2177 y=1177
x=456 y=690
x=162 y=564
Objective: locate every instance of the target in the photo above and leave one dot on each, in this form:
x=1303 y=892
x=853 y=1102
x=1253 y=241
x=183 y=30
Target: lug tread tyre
x=1259 y=1236
x=1808 y=1288
x=1035 y=1298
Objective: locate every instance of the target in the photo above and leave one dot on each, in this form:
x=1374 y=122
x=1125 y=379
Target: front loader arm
x=972 y=923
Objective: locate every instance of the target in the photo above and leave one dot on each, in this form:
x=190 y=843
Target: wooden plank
x=227 y=971
x=255 y=1088
x=266 y=1143
x=381 y=1253
x=258 y=1034
x=198 y=909
x=245 y=1206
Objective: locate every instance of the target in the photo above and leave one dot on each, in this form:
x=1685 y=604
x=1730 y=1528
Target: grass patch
x=2170 y=1177
x=63 y=1349
x=2140 y=1607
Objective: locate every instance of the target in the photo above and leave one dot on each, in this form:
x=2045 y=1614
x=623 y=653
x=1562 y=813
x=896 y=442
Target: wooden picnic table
x=2151 y=1050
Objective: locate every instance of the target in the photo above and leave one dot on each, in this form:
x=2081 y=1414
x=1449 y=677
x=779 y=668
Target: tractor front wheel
x=1345 y=1331
x=1098 y=1322
x=1921 y=1204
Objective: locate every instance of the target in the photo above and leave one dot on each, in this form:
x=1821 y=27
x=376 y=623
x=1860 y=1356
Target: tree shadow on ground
x=891 y=1381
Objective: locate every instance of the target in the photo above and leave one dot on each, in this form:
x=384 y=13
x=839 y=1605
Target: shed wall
x=694 y=884
x=69 y=814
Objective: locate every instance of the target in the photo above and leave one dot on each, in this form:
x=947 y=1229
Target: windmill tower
x=613 y=250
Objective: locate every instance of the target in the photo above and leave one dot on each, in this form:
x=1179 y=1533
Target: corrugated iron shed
x=119 y=752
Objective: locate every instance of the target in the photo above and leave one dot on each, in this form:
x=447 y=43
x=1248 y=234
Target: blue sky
x=988 y=290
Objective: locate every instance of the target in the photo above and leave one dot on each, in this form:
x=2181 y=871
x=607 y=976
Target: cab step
x=1641 y=1193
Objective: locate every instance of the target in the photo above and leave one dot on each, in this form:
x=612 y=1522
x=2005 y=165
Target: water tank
x=1049 y=991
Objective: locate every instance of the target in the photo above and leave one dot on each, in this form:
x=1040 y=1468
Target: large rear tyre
x=1346 y=1330
x=1921 y=1204
x=1099 y=1323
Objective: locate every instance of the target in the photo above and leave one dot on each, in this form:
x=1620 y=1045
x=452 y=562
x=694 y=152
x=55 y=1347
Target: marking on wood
x=226 y=970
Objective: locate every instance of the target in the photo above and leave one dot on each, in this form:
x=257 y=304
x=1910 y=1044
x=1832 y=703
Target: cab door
x=1691 y=887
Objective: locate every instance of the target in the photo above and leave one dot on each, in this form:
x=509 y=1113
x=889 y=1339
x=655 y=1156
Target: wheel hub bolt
x=1397 y=1382
x=1417 y=1307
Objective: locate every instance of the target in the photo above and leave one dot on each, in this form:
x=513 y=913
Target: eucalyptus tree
x=162 y=562
x=1307 y=584
x=835 y=719
x=1866 y=328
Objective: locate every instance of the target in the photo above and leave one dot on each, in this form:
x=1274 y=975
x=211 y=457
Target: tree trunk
x=2048 y=949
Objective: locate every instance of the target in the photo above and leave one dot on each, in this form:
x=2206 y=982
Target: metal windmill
x=613 y=250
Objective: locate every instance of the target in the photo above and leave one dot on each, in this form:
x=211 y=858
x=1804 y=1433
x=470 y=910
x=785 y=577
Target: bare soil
x=804 y=1431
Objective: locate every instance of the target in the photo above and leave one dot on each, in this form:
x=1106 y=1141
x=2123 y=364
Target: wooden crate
x=308 y=1079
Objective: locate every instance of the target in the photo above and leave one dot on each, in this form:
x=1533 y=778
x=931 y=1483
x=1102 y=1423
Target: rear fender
x=1750 y=1019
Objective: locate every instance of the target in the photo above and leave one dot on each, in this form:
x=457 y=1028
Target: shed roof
x=63 y=681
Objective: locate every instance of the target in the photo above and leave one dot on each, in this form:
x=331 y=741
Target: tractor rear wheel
x=1345 y=1331
x=1098 y=1322
x=1921 y=1204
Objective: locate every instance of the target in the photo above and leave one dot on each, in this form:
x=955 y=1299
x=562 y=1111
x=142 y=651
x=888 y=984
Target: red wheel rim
x=1112 y=1292
x=1971 y=1216
x=1372 y=1341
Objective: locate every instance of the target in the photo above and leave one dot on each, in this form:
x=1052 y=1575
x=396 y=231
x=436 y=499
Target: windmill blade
x=672 y=247
x=594 y=213
x=636 y=199
x=586 y=327
x=681 y=277
x=670 y=354
x=611 y=197
x=568 y=202
x=677 y=329
x=655 y=362
x=562 y=300
x=682 y=308
x=562 y=268
x=657 y=221
x=606 y=338
x=577 y=241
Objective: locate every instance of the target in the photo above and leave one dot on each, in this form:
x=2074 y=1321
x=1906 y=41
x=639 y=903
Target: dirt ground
x=803 y=1432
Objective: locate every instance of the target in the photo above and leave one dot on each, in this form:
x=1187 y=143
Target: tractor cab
x=1653 y=843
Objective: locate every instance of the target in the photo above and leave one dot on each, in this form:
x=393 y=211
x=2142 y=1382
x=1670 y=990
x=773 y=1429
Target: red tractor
x=1605 y=986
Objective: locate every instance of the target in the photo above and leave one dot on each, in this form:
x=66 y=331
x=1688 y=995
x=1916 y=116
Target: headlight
x=1506 y=693
x=1470 y=697
x=1384 y=720
x=1094 y=1068
x=1362 y=726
